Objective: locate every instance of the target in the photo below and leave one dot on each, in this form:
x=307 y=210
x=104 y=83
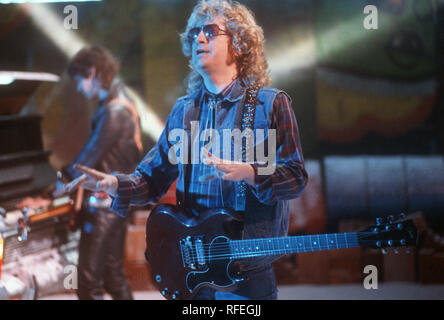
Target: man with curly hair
x=225 y=48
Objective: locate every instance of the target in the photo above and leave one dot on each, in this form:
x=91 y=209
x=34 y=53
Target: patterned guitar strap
x=247 y=122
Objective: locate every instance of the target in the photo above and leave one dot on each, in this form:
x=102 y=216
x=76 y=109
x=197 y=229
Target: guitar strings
x=224 y=250
x=225 y=245
x=229 y=254
x=347 y=237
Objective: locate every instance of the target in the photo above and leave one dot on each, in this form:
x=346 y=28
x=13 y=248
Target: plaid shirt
x=156 y=172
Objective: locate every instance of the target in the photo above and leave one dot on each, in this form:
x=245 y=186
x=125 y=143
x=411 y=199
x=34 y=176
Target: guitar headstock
x=389 y=233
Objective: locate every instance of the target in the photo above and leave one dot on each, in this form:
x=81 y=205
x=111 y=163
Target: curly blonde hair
x=247 y=41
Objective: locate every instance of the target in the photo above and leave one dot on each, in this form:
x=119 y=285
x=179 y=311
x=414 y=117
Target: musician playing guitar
x=228 y=92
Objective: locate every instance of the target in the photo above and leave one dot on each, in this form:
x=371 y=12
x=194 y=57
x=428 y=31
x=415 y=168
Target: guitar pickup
x=193 y=252
x=200 y=252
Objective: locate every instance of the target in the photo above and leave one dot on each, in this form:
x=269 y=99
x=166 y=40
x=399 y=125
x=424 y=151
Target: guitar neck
x=285 y=245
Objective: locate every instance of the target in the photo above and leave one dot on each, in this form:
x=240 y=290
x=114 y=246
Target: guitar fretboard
x=296 y=244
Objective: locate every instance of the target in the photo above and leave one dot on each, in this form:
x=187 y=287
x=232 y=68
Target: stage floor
x=385 y=291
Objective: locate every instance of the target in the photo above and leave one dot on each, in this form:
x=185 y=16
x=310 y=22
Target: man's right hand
x=94 y=180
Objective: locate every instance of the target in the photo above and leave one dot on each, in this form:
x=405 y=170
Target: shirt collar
x=232 y=93
x=237 y=91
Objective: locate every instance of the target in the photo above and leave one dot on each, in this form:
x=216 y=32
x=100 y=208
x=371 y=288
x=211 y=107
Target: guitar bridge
x=193 y=252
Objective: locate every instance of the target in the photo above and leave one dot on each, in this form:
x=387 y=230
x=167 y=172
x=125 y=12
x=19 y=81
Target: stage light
x=292 y=51
x=52 y=26
x=6 y=79
x=70 y=43
x=151 y=124
x=289 y=57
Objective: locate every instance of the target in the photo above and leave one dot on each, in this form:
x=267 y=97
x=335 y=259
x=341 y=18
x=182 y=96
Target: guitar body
x=187 y=253
x=178 y=247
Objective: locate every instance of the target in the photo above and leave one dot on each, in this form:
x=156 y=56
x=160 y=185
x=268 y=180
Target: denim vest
x=261 y=220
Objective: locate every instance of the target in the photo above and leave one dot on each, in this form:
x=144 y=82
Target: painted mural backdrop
x=378 y=81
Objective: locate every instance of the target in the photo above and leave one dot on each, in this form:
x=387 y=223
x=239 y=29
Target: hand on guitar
x=59 y=190
x=94 y=180
x=59 y=187
x=228 y=170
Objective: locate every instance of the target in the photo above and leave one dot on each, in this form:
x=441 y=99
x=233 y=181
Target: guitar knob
x=403 y=242
x=165 y=292
x=384 y=251
x=390 y=243
x=378 y=244
x=175 y=295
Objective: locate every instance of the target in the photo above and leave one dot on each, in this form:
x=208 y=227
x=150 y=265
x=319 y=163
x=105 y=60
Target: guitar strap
x=247 y=122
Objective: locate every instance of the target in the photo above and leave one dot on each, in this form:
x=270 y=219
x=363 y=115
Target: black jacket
x=114 y=143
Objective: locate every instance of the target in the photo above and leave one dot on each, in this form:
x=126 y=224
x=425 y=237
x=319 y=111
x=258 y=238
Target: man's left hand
x=228 y=170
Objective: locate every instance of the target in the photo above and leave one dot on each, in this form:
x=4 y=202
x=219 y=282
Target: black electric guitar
x=185 y=253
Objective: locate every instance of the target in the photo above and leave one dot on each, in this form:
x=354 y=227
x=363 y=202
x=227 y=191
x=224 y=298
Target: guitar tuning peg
x=384 y=251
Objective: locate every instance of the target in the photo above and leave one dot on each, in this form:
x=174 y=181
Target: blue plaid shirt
x=155 y=174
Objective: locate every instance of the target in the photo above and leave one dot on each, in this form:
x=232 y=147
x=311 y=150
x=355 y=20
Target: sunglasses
x=210 y=31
